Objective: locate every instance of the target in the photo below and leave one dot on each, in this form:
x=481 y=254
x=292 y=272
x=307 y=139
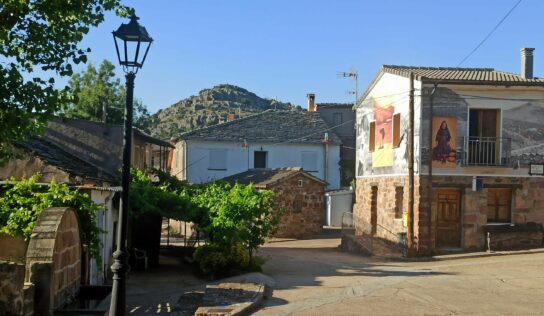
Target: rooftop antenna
x=352 y=73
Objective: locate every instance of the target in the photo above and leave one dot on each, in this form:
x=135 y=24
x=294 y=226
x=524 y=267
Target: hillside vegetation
x=209 y=107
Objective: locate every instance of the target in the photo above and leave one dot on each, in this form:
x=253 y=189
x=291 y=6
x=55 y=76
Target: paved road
x=314 y=278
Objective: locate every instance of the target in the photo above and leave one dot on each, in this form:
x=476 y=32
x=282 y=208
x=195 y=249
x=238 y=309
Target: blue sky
x=288 y=48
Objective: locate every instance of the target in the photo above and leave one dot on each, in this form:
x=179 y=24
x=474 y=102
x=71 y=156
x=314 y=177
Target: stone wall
x=53 y=261
x=388 y=225
x=16 y=297
x=309 y=219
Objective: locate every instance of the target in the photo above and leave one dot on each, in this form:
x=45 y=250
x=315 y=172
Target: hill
x=209 y=107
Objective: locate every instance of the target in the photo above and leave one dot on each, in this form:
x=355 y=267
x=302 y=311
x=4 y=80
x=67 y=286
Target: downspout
x=326 y=162
x=411 y=238
x=430 y=188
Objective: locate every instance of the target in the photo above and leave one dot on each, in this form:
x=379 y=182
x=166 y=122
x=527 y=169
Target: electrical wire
x=490 y=33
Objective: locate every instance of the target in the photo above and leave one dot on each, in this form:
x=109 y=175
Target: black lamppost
x=128 y=42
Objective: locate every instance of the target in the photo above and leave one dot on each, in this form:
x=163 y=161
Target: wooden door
x=448 y=218
x=374 y=209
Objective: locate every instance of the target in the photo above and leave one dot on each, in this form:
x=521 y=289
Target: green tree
x=40 y=35
x=94 y=90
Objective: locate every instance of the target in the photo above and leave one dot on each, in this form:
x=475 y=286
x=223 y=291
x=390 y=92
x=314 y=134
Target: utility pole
x=411 y=168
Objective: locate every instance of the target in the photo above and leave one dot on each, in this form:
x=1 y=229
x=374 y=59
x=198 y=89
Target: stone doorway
x=448 y=218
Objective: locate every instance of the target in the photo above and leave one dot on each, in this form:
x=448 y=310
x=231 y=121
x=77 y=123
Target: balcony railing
x=486 y=151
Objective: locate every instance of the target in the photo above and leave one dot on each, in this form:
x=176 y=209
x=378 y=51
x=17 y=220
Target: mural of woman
x=443 y=149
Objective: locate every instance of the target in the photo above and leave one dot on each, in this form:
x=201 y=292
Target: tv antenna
x=355 y=76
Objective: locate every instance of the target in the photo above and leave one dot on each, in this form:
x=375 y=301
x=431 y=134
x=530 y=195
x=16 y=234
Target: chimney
x=311 y=102
x=527 y=63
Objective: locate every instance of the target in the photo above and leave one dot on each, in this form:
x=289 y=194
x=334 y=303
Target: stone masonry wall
x=16 y=297
x=388 y=225
x=309 y=220
x=53 y=261
x=527 y=205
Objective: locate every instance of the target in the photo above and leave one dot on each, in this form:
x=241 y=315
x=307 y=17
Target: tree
x=94 y=90
x=46 y=35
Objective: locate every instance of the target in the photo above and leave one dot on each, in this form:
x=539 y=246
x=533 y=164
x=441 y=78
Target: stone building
x=299 y=194
x=478 y=136
x=87 y=155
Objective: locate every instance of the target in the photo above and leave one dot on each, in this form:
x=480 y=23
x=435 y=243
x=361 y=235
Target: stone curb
x=470 y=255
x=238 y=309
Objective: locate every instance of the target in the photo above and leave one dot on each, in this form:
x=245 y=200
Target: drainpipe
x=326 y=162
x=411 y=168
x=430 y=185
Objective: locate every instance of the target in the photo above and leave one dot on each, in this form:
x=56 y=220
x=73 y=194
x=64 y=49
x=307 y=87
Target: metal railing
x=486 y=151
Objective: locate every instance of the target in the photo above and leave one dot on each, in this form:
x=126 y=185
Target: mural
x=383 y=155
x=444 y=136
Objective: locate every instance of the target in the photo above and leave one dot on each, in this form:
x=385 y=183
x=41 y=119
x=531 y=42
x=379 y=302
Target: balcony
x=486 y=151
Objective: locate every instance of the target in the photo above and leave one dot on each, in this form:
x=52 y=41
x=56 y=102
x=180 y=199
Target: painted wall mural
x=444 y=142
x=383 y=155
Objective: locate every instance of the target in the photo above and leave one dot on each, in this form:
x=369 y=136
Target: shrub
x=22 y=202
x=215 y=261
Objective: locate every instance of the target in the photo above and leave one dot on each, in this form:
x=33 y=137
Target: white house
x=271 y=139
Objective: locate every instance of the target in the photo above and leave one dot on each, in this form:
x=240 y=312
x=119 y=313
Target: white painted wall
x=194 y=167
x=390 y=89
x=105 y=219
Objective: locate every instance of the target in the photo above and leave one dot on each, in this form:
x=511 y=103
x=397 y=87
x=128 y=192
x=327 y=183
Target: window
x=300 y=183
x=396 y=130
x=399 y=198
x=483 y=142
x=217 y=159
x=309 y=161
x=499 y=203
x=372 y=136
x=259 y=159
x=337 y=118
x=297 y=204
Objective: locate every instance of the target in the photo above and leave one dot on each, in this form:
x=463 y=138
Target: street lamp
x=129 y=39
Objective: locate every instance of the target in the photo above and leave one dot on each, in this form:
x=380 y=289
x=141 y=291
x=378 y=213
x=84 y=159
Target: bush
x=22 y=202
x=215 y=261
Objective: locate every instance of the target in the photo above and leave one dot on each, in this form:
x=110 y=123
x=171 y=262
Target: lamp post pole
x=119 y=267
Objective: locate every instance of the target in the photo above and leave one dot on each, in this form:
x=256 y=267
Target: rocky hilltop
x=209 y=107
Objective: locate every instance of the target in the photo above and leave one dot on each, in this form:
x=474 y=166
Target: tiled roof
x=271 y=126
x=455 y=75
x=460 y=75
x=262 y=178
x=334 y=105
x=56 y=156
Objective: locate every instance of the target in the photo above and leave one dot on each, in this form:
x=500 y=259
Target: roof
x=262 y=178
x=334 y=106
x=456 y=75
x=270 y=126
x=150 y=139
x=56 y=156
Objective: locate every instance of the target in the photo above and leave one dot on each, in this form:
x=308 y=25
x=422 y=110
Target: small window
x=499 y=203
x=300 y=183
x=372 y=136
x=297 y=204
x=309 y=161
x=259 y=159
x=396 y=130
x=217 y=159
x=337 y=118
x=399 y=198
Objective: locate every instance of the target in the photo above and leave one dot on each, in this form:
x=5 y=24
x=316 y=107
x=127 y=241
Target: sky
x=285 y=49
